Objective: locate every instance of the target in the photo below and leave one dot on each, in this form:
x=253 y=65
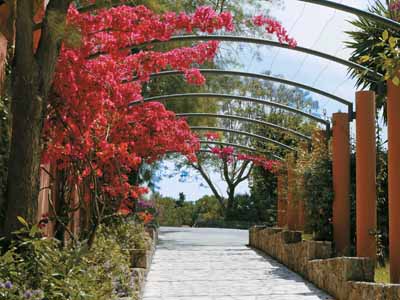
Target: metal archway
x=209 y=151
x=252 y=135
x=343 y=101
x=239 y=118
x=236 y=97
x=265 y=42
x=355 y=11
x=250 y=149
x=342 y=7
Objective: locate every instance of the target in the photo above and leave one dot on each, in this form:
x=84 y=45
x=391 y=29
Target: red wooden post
x=3 y=56
x=281 y=201
x=366 y=174
x=341 y=183
x=291 y=201
x=45 y=195
x=393 y=115
x=4 y=15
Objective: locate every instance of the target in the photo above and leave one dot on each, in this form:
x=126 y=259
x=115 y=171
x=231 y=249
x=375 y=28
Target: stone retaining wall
x=140 y=264
x=345 y=278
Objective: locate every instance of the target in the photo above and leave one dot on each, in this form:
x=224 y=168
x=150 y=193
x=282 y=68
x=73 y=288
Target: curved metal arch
x=349 y=104
x=355 y=11
x=237 y=97
x=273 y=155
x=204 y=142
x=239 y=118
x=252 y=135
x=265 y=42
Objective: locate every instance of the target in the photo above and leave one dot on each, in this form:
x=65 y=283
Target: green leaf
x=385 y=35
x=364 y=58
x=22 y=221
x=396 y=81
x=392 y=42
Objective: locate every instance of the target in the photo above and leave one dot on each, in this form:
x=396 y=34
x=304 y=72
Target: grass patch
x=307 y=236
x=382 y=274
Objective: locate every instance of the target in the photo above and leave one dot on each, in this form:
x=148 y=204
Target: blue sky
x=315 y=27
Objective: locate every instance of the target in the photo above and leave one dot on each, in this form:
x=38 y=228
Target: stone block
x=368 y=290
x=290 y=237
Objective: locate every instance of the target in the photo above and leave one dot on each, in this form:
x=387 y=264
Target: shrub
x=35 y=268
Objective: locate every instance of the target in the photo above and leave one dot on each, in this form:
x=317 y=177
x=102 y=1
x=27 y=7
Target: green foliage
x=34 y=264
x=382 y=199
x=206 y=212
x=209 y=209
x=171 y=212
x=126 y=233
x=264 y=198
x=376 y=47
x=316 y=169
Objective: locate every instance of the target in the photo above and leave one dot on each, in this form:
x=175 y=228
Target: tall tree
x=32 y=72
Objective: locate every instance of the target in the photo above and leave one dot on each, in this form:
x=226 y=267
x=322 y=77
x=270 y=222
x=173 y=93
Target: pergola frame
x=252 y=135
x=265 y=42
x=266 y=77
x=238 y=146
x=236 y=97
x=240 y=118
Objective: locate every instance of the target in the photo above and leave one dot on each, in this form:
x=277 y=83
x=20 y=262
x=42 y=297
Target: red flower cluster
x=395 y=6
x=260 y=161
x=224 y=152
x=91 y=131
x=274 y=27
x=212 y=136
x=146 y=217
x=228 y=154
x=193 y=76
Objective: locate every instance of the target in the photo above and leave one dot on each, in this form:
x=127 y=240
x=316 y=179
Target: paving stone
x=215 y=264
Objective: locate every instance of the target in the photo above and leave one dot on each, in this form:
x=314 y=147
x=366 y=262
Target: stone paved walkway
x=214 y=264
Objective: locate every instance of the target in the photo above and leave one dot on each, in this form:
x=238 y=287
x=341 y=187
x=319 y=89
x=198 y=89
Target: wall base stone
x=140 y=265
x=345 y=278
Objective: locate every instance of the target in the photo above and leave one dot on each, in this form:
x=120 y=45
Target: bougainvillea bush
x=91 y=128
x=97 y=129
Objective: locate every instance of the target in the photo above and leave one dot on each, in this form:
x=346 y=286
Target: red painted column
x=291 y=201
x=3 y=56
x=281 y=207
x=366 y=174
x=341 y=183
x=4 y=15
x=393 y=115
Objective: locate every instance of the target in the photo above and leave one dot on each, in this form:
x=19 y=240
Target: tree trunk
x=230 y=207
x=24 y=161
x=32 y=79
